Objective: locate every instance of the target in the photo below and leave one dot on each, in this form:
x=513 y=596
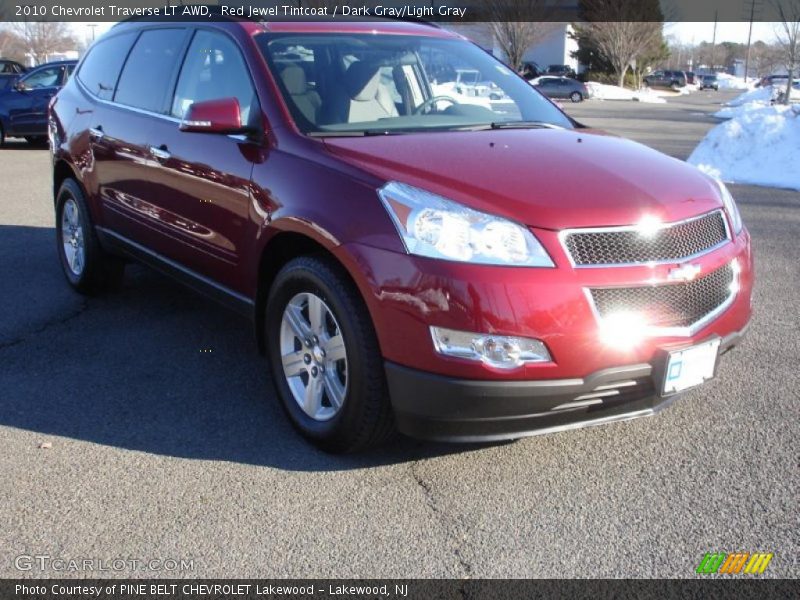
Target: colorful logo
x=732 y=564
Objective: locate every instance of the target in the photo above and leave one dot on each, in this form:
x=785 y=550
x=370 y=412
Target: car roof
x=383 y=26
x=56 y=63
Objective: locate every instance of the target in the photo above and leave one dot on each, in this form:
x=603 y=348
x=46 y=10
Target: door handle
x=97 y=132
x=161 y=153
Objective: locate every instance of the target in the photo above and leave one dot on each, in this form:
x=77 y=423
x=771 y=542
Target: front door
x=201 y=181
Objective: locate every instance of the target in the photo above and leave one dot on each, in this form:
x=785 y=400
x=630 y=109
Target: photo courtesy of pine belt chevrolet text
x=414 y=258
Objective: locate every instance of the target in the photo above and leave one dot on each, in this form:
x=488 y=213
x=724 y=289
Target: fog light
x=503 y=352
x=623 y=330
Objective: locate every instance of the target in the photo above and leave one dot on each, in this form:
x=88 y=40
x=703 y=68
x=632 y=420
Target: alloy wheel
x=313 y=356
x=72 y=237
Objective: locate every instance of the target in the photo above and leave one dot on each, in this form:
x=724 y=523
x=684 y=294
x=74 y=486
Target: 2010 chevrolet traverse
x=455 y=267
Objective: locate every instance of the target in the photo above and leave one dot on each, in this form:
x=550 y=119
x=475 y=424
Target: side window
x=43 y=78
x=213 y=69
x=148 y=71
x=100 y=70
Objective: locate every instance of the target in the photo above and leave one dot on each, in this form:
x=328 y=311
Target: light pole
x=92 y=26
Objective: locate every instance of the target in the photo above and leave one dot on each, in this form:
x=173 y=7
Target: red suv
x=450 y=266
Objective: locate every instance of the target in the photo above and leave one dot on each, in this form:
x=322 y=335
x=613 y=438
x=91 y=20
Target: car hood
x=548 y=178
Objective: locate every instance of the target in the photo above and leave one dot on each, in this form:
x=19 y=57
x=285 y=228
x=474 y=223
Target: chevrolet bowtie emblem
x=684 y=273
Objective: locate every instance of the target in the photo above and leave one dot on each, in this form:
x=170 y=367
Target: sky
x=686 y=32
x=726 y=32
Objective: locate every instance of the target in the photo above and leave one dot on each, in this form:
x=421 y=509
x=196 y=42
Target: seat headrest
x=294 y=78
x=361 y=80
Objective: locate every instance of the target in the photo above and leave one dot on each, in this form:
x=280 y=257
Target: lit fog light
x=623 y=330
x=504 y=352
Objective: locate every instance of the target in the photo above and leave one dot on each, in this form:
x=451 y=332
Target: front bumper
x=440 y=408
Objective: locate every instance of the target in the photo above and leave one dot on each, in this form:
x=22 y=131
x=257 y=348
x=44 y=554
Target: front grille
x=669 y=305
x=629 y=246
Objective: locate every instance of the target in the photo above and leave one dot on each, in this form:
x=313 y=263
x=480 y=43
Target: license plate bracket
x=689 y=367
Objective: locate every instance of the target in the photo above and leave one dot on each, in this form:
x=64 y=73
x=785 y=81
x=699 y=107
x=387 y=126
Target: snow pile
x=761 y=146
x=602 y=91
x=762 y=94
x=753 y=100
x=449 y=89
x=729 y=82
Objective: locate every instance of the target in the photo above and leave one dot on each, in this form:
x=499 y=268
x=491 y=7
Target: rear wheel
x=86 y=266
x=576 y=97
x=324 y=357
x=676 y=86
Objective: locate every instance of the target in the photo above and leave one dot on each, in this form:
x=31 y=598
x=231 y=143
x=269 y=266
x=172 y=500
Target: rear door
x=133 y=98
x=201 y=181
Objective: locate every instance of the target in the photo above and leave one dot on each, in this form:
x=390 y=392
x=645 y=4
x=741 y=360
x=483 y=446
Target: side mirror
x=20 y=86
x=221 y=116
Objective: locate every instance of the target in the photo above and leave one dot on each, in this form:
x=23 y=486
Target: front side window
x=213 y=69
x=148 y=72
x=43 y=78
x=100 y=69
x=339 y=84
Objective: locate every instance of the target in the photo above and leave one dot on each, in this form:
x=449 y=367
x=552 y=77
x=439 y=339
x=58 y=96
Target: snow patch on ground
x=760 y=146
x=602 y=91
x=449 y=89
x=729 y=82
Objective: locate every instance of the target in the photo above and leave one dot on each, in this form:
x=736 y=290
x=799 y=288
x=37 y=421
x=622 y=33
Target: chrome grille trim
x=564 y=239
x=682 y=330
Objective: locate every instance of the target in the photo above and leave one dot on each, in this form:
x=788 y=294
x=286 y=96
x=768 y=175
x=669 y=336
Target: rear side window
x=100 y=70
x=148 y=71
x=213 y=69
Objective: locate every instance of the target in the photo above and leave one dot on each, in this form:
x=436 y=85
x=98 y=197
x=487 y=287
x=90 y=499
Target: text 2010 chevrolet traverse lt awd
x=457 y=268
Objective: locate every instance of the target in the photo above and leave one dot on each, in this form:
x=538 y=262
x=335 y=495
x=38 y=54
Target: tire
x=36 y=140
x=676 y=87
x=576 y=97
x=363 y=417
x=88 y=268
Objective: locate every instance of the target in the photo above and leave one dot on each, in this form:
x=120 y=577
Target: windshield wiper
x=360 y=133
x=523 y=125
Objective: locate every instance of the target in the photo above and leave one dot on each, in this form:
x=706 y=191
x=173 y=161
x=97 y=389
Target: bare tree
x=788 y=33
x=513 y=30
x=41 y=39
x=621 y=31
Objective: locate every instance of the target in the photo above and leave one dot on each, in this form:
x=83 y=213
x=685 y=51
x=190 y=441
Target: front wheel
x=576 y=97
x=324 y=357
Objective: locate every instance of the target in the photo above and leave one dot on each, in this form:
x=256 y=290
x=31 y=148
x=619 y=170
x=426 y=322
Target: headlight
x=730 y=207
x=436 y=227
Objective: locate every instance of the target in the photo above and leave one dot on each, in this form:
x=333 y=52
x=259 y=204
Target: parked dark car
x=562 y=87
x=561 y=71
x=531 y=70
x=709 y=82
x=23 y=106
x=691 y=78
x=10 y=70
x=666 y=79
x=399 y=266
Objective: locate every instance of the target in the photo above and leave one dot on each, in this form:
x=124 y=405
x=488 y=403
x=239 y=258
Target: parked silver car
x=562 y=87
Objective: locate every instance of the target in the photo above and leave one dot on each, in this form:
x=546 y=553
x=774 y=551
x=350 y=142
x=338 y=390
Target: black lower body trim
x=120 y=244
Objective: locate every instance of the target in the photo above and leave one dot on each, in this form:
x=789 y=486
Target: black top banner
x=430 y=10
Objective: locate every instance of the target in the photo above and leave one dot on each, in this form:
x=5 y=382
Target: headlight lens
x=436 y=227
x=730 y=207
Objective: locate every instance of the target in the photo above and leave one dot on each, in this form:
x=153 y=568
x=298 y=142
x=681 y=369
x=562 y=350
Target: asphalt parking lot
x=166 y=442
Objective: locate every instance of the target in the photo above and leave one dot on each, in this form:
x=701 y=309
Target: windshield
x=346 y=84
